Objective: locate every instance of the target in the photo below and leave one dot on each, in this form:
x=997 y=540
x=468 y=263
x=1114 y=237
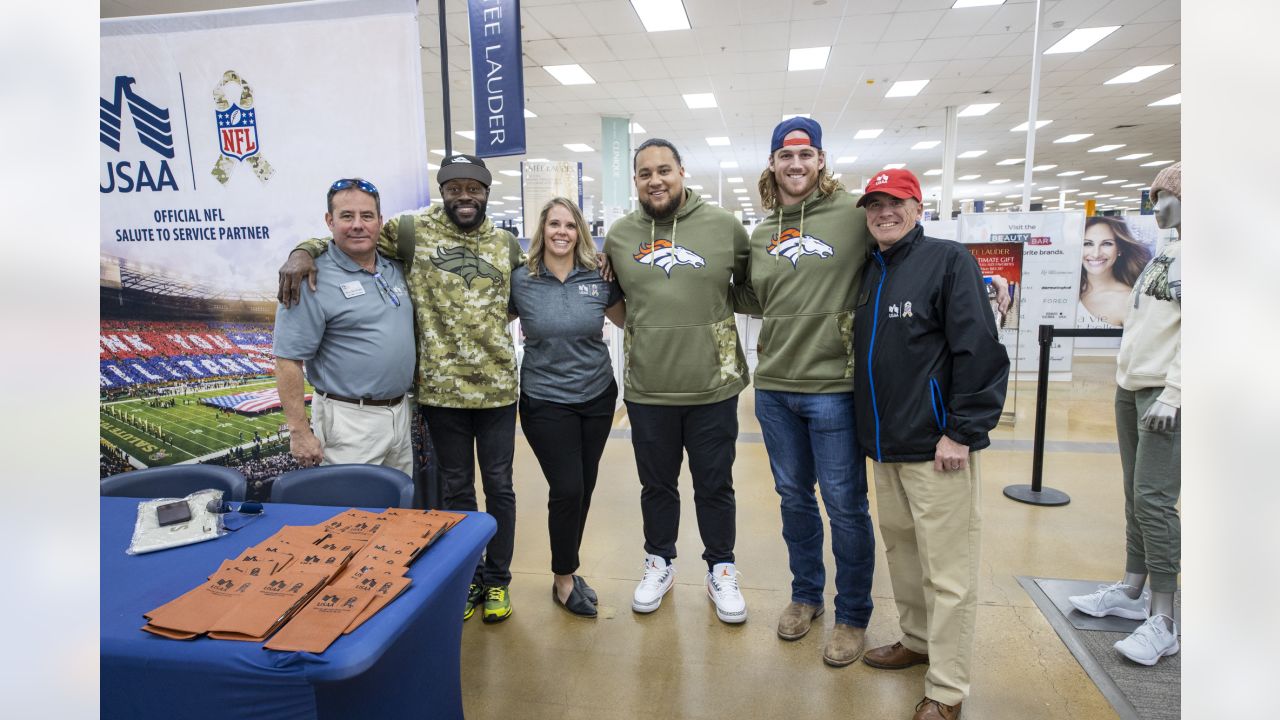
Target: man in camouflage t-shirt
x=460 y=280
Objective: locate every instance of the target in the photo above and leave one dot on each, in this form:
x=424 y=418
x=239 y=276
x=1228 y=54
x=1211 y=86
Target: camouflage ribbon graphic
x=225 y=165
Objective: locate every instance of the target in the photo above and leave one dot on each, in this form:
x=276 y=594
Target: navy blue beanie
x=808 y=126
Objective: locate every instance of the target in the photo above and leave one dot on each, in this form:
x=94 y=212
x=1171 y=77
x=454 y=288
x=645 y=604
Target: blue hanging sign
x=497 y=77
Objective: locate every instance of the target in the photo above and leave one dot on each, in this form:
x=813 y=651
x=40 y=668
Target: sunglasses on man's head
x=345 y=183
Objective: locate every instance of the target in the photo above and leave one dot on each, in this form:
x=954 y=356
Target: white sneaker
x=722 y=588
x=658 y=576
x=1112 y=600
x=1150 y=642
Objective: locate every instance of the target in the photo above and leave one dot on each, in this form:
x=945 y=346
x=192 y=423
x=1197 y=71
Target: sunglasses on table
x=235 y=515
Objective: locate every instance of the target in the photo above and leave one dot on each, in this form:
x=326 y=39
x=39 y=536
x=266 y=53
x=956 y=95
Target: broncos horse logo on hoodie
x=791 y=245
x=666 y=255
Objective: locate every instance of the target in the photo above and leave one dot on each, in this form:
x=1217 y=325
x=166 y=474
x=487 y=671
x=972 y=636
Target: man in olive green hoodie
x=805 y=270
x=675 y=259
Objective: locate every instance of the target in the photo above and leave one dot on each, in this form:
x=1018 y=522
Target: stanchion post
x=1035 y=493
x=1042 y=408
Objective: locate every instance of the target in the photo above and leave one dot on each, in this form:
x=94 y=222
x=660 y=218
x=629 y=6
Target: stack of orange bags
x=306 y=585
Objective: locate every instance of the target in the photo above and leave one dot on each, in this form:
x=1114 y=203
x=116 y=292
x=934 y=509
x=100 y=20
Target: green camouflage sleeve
x=315 y=247
x=387 y=238
x=517 y=255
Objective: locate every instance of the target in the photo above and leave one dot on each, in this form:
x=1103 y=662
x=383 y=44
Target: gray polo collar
x=344 y=261
x=543 y=271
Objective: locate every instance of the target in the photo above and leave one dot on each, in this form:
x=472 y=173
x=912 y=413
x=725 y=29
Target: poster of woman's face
x=1115 y=251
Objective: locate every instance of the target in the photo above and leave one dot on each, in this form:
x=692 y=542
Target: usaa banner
x=220 y=134
x=497 y=77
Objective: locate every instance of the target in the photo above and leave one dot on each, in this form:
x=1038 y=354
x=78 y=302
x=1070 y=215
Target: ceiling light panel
x=906 y=88
x=812 y=58
x=579 y=147
x=661 y=15
x=718 y=141
x=926 y=145
x=894 y=166
x=636 y=129
x=728 y=164
x=570 y=74
x=971 y=154
x=868 y=134
x=843 y=159
x=977 y=110
x=935 y=171
x=1023 y=126
x=960 y=4
x=970 y=177
x=698 y=101
x=1075 y=137
x=1107 y=148
x=1042 y=168
x=1157 y=163
x=1011 y=161
x=1171 y=100
x=1080 y=39
x=1134 y=156
x=1138 y=74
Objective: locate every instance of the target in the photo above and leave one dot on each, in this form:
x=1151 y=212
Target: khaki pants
x=365 y=434
x=931 y=526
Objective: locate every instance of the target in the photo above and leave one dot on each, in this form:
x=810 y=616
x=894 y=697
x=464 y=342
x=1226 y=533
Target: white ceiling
x=738 y=50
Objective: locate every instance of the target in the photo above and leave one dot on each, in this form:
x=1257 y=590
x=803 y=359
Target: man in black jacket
x=930 y=385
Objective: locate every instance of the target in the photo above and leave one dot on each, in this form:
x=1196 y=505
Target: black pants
x=457 y=435
x=568 y=440
x=660 y=434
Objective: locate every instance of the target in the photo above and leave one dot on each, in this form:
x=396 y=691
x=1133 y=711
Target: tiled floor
x=681 y=662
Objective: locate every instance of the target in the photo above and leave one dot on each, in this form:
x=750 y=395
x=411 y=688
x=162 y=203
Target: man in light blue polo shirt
x=355 y=336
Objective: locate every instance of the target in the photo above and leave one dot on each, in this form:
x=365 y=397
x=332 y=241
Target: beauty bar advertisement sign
x=1050 y=277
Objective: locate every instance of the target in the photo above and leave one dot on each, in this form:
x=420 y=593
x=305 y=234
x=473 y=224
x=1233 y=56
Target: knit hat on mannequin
x=1169 y=179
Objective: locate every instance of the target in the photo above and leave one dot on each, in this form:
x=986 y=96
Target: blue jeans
x=811 y=437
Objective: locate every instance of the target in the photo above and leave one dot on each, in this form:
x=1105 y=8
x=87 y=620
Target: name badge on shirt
x=352 y=289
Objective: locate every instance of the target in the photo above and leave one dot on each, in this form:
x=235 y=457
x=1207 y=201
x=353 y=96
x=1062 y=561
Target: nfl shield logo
x=237 y=132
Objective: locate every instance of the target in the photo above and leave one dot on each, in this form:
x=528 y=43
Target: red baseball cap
x=900 y=183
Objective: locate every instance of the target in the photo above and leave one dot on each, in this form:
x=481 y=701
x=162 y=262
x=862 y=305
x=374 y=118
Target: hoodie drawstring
x=779 y=233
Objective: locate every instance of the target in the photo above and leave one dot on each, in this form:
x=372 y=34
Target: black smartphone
x=173 y=513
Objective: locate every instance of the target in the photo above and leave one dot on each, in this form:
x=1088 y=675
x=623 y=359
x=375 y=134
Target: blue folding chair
x=346 y=485
x=175 y=481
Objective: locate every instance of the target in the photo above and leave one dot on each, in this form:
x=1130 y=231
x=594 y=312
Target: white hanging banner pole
x=948 y=163
x=1029 y=162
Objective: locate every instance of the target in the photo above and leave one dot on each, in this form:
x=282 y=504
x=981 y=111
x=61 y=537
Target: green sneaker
x=497 y=604
x=475 y=594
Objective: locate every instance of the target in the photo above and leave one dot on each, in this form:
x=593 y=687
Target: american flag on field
x=254 y=402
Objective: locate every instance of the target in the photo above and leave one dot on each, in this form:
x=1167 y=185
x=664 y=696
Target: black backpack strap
x=406 y=240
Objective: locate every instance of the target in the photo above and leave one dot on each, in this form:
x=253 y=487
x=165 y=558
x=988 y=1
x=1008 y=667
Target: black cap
x=463 y=166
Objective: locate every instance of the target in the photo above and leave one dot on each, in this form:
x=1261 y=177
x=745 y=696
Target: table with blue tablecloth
x=403 y=662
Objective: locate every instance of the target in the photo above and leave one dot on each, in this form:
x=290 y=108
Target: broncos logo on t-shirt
x=791 y=245
x=666 y=255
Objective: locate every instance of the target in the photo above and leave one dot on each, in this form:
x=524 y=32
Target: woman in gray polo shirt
x=567 y=391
